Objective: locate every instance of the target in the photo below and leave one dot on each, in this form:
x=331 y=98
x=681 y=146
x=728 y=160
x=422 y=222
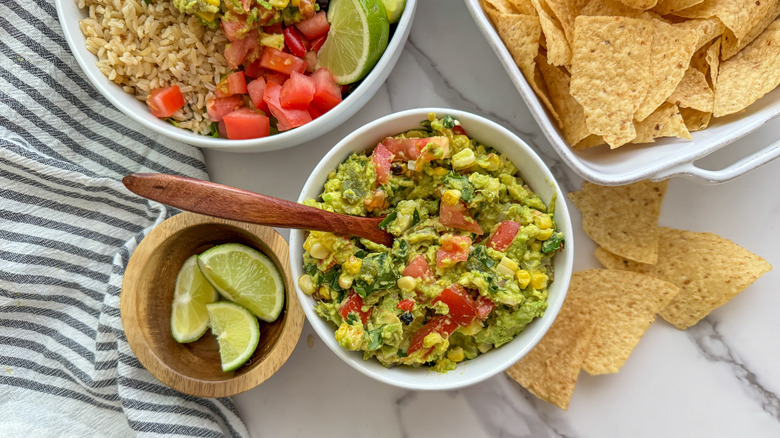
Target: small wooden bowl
x=147 y=294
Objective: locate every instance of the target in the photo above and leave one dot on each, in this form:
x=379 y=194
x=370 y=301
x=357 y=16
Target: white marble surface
x=720 y=378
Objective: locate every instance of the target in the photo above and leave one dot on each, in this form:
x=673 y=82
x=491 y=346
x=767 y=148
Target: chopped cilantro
x=214 y=130
x=351 y=318
x=554 y=243
x=415 y=218
x=389 y=218
x=375 y=338
x=459 y=182
x=448 y=122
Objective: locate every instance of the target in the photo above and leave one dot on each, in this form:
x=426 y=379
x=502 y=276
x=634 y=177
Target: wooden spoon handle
x=226 y=202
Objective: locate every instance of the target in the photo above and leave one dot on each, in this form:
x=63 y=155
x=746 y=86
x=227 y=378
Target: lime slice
x=246 y=276
x=394 y=9
x=189 y=319
x=237 y=332
x=358 y=35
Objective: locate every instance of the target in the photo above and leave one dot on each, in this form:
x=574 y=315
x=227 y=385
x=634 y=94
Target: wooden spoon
x=226 y=202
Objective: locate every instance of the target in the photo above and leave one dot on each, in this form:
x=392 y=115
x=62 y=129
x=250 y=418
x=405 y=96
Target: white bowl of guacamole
x=482 y=255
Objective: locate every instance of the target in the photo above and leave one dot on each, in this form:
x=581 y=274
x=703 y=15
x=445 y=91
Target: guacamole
x=470 y=264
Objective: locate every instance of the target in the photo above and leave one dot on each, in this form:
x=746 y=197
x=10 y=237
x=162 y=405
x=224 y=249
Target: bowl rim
x=562 y=275
x=276 y=357
x=68 y=13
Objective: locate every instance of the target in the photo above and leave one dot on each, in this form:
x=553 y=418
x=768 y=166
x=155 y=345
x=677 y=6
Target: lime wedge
x=245 y=276
x=394 y=9
x=237 y=333
x=358 y=35
x=189 y=318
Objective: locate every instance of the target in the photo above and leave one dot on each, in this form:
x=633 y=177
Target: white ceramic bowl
x=663 y=159
x=534 y=173
x=69 y=15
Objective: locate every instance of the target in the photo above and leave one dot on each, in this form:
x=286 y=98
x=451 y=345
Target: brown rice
x=142 y=47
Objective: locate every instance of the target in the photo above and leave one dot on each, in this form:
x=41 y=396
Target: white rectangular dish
x=656 y=161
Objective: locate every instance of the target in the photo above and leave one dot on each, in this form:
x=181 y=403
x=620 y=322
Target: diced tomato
x=419 y=268
x=406 y=305
x=253 y=69
x=462 y=307
x=236 y=51
x=274 y=28
x=382 y=158
x=316 y=44
x=295 y=41
x=404 y=149
x=311 y=61
x=163 y=102
x=457 y=216
x=442 y=142
x=458 y=130
x=256 y=91
x=315 y=26
x=246 y=123
x=286 y=118
x=453 y=249
x=440 y=324
x=236 y=83
x=297 y=92
x=354 y=304
x=504 y=235
x=484 y=307
x=222 y=130
x=217 y=108
x=327 y=92
x=235 y=29
x=314 y=111
x=276 y=60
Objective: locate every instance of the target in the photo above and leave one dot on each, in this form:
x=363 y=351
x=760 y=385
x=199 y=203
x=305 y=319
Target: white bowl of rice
x=132 y=47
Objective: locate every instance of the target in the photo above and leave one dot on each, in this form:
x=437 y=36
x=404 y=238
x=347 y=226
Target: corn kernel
x=543 y=221
x=323 y=292
x=207 y=16
x=509 y=263
x=484 y=348
x=536 y=246
x=432 y=339
x=213 y=2
x=345 y=281
x=492 y=163
x=440 y=171
x=279 y=4
x=311 y=239
x=319 y=251
x=407 y=283
x=352 y=265
x=275 y=40
x=463 y=159
x=451 y=197
x=295 y=3
x=544 y=234
x=539 y=280
x=306 y=284
x=523 y=278
x=456 y=354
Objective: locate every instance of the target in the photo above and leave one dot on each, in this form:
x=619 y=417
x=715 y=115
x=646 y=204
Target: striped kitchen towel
x=67 y=229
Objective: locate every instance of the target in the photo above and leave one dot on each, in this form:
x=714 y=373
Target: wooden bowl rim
x=280 y=352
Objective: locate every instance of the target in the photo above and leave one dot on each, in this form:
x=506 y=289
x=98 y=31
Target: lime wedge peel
x=394 y=8
x=245 y=276
x=358 y=35
x=237 y=332
x=189 y=318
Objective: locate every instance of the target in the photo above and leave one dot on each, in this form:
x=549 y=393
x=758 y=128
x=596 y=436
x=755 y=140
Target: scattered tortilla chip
x=693 y=92
x=695 y=120
x=707 y=29
x=738 y=15
x=572 y=121
x=713 y=61
x=732 y=44
x=666 y=121
x=611 y=8
x=665 y=7
x=625 y=304
x=639 y=4
x=558 y=50
x=670 y=55
x=749 y=74
x=551 y=368
x=589 y=142
x=623 y=219
x=610 y=73
x=709 y=270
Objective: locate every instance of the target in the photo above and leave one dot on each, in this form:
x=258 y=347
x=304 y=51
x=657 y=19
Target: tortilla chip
x=558 y=50
x=589 y=142
x=732 y=44
x=738 y=15
x=565 y=11
x=523 y=6
x=707 y=29
x=709 y=270
x=625 y=304
x=695 y=120
x=500 y=6
x=572 y=121
x=610 y=73
x=665 y=7
x=749 y=74
x=693 y=92
x=666 y=121
x=639 y=4
x=611 y=8
x=623 y=219
x=713 y=61
x=520 y=34
x=551 y=368
x=670 y=55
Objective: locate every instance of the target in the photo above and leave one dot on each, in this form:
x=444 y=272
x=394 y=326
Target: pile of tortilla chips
x=631 y=71
x=650 y=270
